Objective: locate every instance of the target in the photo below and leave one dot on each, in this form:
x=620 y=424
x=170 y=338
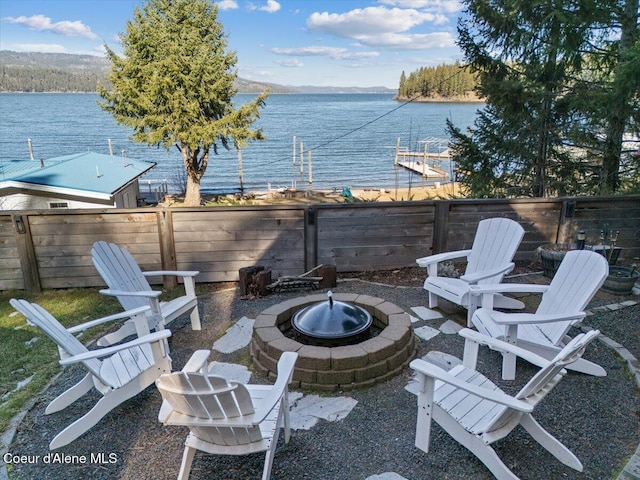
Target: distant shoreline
x=467 y=98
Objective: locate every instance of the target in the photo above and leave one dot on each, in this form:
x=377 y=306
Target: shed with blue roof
x=84 y=180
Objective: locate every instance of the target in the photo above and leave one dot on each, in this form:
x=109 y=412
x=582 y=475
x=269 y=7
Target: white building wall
x=21 y=201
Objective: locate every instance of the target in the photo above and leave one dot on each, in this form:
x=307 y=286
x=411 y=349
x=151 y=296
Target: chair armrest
x=477 y=276
x=169 y=416
x=527 y=318
x=99 y=321
x=495 y=344
x=441 y=257
x=197 y=362
x=185 y=273
x=431 y=370
x=285 y=372
x=508 y=288
x=126 y=293
x=105 y=352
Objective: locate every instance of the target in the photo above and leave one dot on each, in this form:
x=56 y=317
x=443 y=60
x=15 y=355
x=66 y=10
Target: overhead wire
x=366 y=124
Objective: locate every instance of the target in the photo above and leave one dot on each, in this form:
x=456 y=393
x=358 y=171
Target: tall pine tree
x=174 y=85
x=532 y=59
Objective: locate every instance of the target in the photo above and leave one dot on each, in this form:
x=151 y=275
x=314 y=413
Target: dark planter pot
x=620 y=280
x=551 y=256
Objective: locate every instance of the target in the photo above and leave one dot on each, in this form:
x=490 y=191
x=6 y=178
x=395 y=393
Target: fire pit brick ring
x=348 y=367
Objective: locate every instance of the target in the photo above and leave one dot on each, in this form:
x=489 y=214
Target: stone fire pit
x=363 y=364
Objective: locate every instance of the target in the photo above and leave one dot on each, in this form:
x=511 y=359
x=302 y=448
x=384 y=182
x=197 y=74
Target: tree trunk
x=192 y=197
x=195 y=169
x=620 y=103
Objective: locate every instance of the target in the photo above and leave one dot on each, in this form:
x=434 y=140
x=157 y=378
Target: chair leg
x=501 y=301
x=550 y=443
x=471 y=308
x=69 y=396
x=195 y=319
x=491 y=460
x=585 y=366
x=581 y=365
x=433 y=300
x=474 y=444
x=187 y=460
x=508 y=366
x=268 y=458
x=99 y=410
x=284 y=406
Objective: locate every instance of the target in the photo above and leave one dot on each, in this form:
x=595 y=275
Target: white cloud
x=292 y=63
x=369 y=21
x=443 y=6
x=44 y=24
x=37 y=47
x=271 y=7
x=407 y=41
x=381 y=27
x=227 y=4
x=333 y=52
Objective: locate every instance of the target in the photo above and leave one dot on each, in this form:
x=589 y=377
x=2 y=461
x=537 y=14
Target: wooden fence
x=52 y=249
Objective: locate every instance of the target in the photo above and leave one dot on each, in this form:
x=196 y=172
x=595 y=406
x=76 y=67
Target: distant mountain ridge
x=64 y=72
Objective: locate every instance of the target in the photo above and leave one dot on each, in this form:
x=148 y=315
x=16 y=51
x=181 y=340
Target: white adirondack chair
x=476 y=413
x=129 y=284
x=226 y=418
x=544 y=332
x=119 y=372
x=488 y=260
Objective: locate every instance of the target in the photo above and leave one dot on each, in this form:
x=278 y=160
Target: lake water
x=352 y=138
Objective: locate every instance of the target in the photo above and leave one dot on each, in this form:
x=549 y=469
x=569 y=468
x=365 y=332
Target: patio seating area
x=376 y=438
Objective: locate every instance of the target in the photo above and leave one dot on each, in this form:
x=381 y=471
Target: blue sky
x=289 y=42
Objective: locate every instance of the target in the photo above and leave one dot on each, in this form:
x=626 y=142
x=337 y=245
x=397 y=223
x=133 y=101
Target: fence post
x=567 y=212
x=26 y=253
x=310 y=238
x=440 y=226
x=167 y=247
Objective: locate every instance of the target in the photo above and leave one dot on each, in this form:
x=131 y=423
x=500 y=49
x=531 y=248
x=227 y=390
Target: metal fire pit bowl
x=332 y=322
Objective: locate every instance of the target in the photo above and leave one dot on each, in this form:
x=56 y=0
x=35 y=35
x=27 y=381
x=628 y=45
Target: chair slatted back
x=210 y=397
x=580 y=275
x=495 y=244
x=120 y=271
x=66 y=342
x=547 y=377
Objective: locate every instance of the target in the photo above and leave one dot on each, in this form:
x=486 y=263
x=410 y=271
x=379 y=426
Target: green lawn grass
x=26 y=351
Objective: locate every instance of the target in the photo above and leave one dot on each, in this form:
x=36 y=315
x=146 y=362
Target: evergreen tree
x=434 y=82
x=174 y=85
x=533 y=62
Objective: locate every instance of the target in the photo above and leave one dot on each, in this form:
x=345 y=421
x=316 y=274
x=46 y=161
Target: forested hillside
x=61 y=72
x=453 y=82
x=48 y=72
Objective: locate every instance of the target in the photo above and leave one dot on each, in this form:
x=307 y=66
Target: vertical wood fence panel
x=10 y=265
x=374 y=235
x=539 y=218
x=617 y=214
x=63 y=241
x=219 y=241
x=55 y=249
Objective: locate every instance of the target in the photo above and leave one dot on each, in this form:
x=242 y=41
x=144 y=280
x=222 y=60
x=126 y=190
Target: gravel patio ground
x=597 y=418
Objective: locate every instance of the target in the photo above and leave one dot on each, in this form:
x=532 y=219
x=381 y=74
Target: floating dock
x=430 y=161
x=421 y=168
